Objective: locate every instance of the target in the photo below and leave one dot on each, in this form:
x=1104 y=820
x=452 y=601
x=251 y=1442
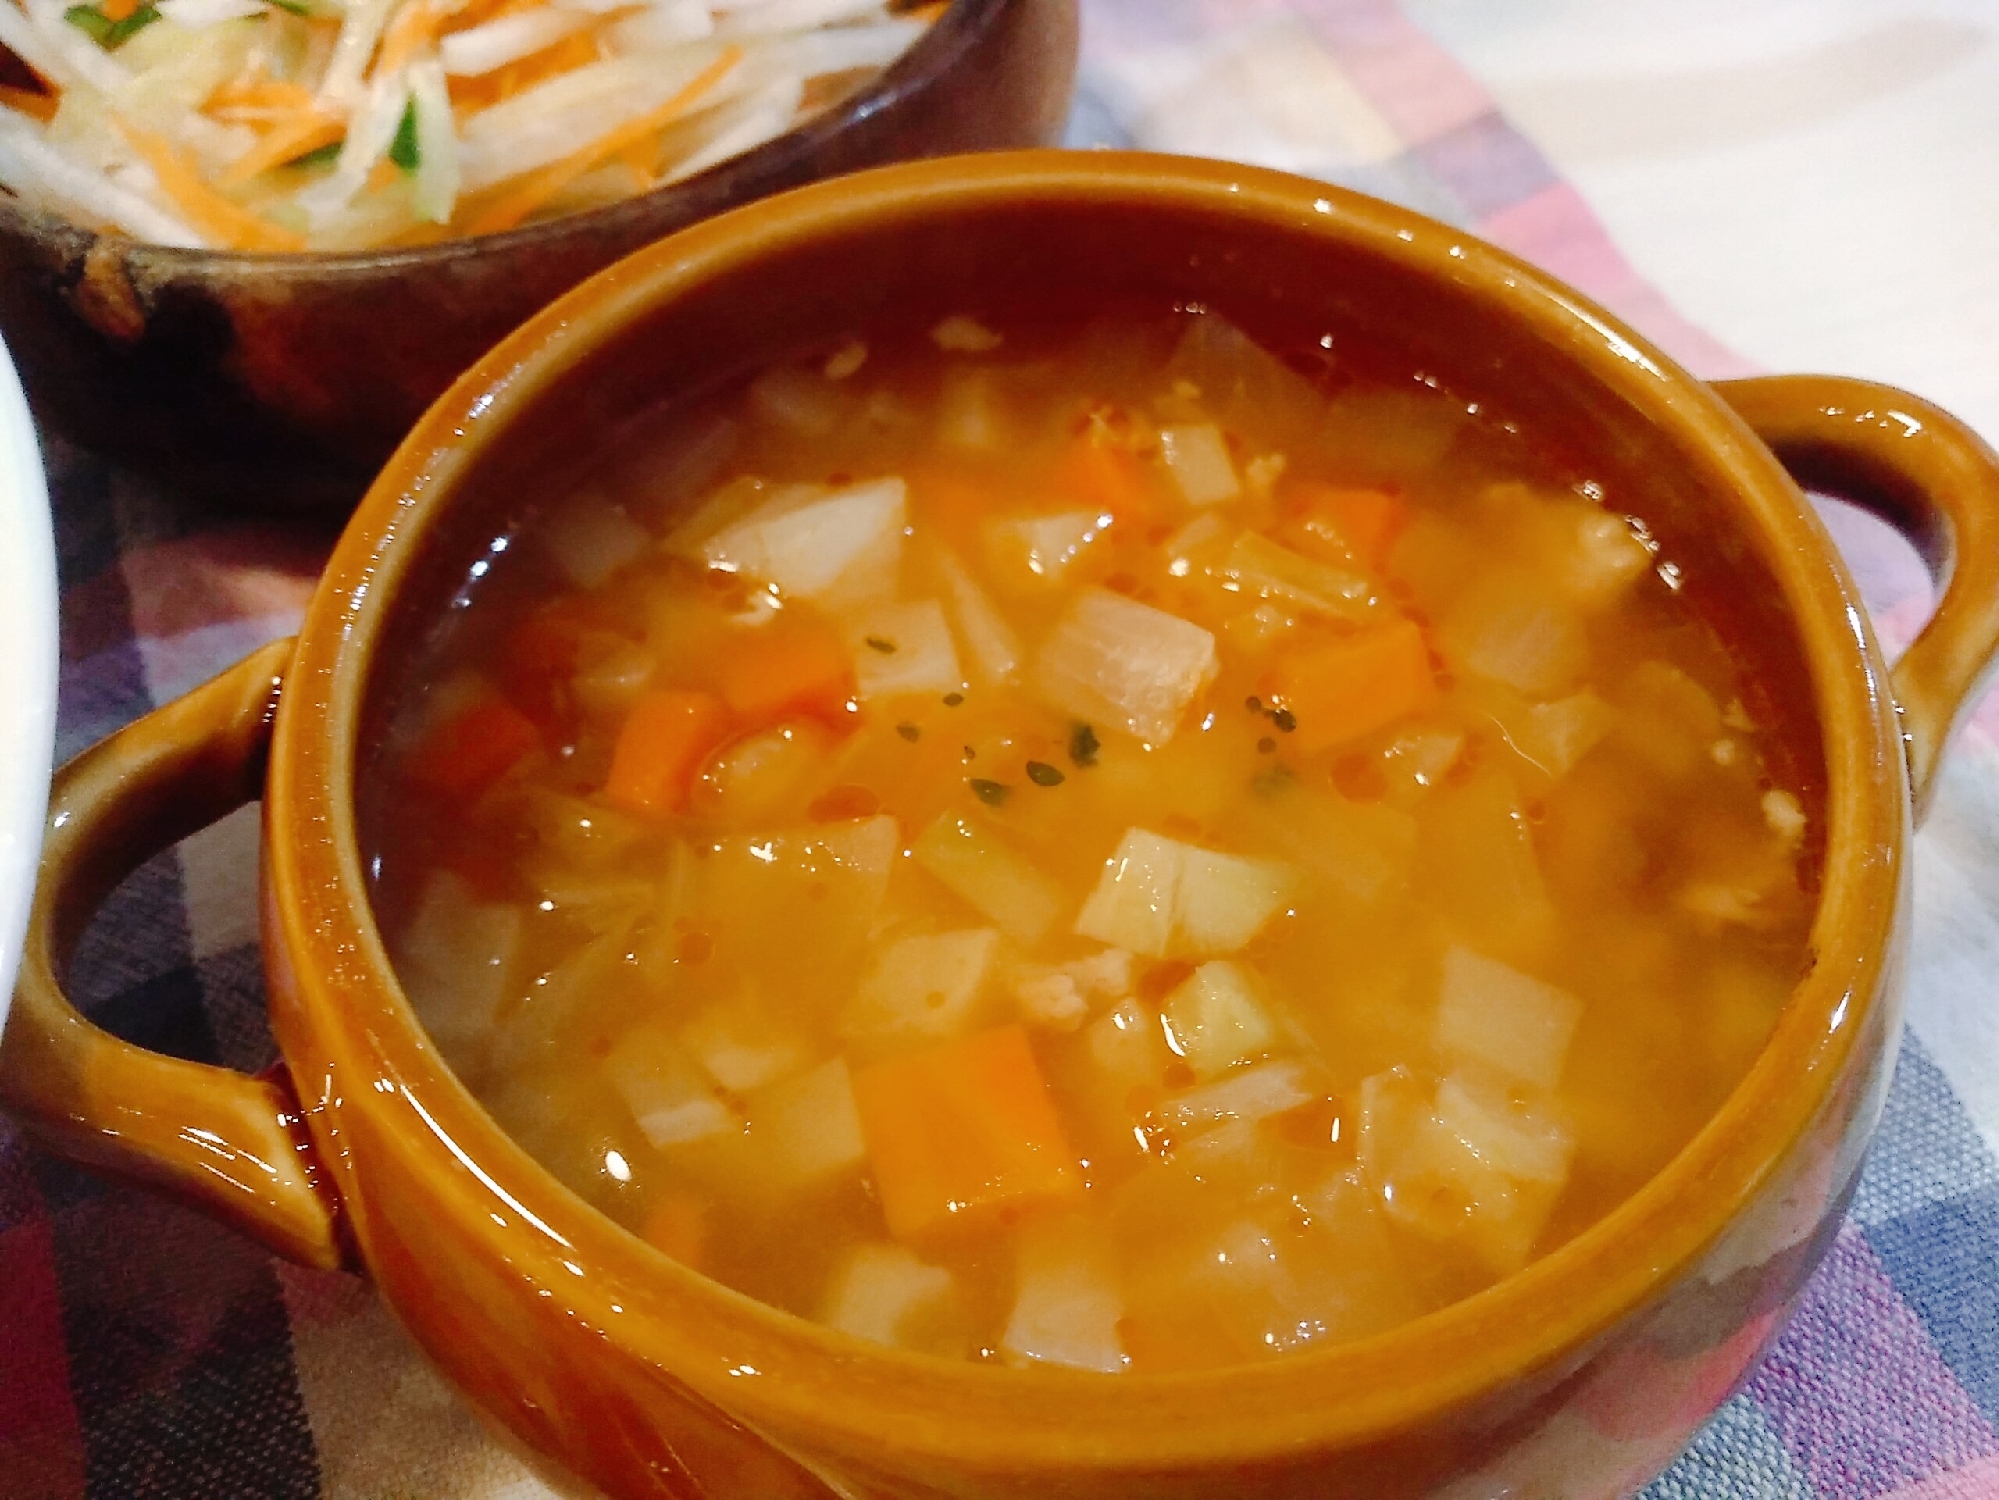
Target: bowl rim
x=784 y=1375
x=927 y=60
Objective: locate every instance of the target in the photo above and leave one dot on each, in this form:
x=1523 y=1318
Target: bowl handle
x=1934 y=480
x=232 y=1145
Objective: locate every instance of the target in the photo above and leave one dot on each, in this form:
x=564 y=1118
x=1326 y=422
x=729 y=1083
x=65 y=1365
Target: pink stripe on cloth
x=1978 y=1480
x=246 y=571
x=41 y=1441
x=1415 y=85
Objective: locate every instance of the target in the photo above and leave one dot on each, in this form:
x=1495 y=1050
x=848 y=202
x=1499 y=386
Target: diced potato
x=1197 y=458
x=1259 y=567
x=1215 y=1021
x=1510 y=1022
x=885 y=1293
x=1160 y=897
x=829 y=546
x=1066 y=1302
x=590 y=539
x=455 y=960
x=667 y=1094
x=905 y=648
x=1112 y=660
x=990 y=642
x=807 y=1127
x=926 y=987
x=1128 y=1047
x=1038 y=550
x=960 y=1130
x=1519 y=1139
x=740 y=1049
x=980 y=866
x=1250 y=1094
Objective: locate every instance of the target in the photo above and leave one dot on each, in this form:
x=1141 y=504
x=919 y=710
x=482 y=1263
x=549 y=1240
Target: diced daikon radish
x=1363 y=850
x=606 y=687
x=1224 y=900
x=1557 y=735
x=1215 y=1021
x=1666 y=718
x=905 y=648
x=763 y=776
x=455 y=960
x=1257 y=566
x=1160 y=897
x=1604 y=558
x=830 y=547
x=989 y=641
x=669 y=1096
x=1132 y=906
x=1031 y=550
x=1492 y=1014
x=806 y=1128
x=989 y=873
x=1477 y=860
x=1197 y=457
x=803 y=400
x=886 y=1293
x=1066 y=1301
x=965 y=415
x=1251 y=1094
x=741 y=1050
x=1128 y=1046
x=1520 y=1140
x=926 y=987
x=493 y=44
x=1114 y=660
x=1510 y=630
x=960 y=334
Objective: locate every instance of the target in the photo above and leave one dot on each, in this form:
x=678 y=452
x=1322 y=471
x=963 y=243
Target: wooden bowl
x=283 y=382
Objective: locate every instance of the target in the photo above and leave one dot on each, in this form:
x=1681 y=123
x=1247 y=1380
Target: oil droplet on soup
x=1101 y=849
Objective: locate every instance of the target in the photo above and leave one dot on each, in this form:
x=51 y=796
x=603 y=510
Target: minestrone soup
x=1107 y=849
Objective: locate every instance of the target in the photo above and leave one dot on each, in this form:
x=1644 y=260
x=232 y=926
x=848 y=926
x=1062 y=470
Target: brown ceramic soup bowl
x=1580 y=1376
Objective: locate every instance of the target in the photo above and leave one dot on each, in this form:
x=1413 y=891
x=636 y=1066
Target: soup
x=1100 y=847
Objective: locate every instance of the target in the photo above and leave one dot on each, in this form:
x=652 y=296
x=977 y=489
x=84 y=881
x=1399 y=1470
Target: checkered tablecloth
x=145 y=1352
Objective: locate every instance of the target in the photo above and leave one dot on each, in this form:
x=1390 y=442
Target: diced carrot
x=283 y=142
x=219 y=218
x=787 y=668
x=1105 y=477
x=31 y=102
x=962 y=1129
x=678 y=1225
x=536 y=188
x=1338 y=524
x=467 y=751
x=667 y=735
x=1341 y=689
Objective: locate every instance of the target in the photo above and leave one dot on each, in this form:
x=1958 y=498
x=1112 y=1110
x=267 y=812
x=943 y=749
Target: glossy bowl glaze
x=1580 y=1376
x=282 y=382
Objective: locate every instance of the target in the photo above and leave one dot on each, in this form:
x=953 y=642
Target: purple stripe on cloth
x=1857 y=1392
x=1487 y=164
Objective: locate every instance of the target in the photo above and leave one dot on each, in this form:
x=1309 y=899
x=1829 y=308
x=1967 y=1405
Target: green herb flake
x=909 y=732
x=1266 y=745
x=403 y=149
x=1271 y=780
x=1083 y=745
x=1254 y=705
x=324 y=156
x=294 y=6
x=1042 y=774
x=107 y=33
x=876 y=643
x=952 y=700
x=992 y=793
x=1284 y=719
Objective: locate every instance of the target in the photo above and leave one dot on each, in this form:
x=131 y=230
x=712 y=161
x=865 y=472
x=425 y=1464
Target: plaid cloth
x=147 y=1353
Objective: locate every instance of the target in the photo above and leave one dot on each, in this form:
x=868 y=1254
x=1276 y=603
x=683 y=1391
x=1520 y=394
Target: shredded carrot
x=784 y=669
x=117 y=10
x=640 y=158
x=467 y=751
x=1338 y=524
x=962 y=1128
x=1339 y=690
x=30 y=102
x=219 y=218
x=414 y=28
x=538 y=187
x=471 y=95
x=665 y=738
x=283 y=142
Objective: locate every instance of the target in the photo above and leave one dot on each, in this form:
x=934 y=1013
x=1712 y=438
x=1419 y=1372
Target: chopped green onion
x=1284 y=719
x=1043 y=774
x=952 y=700
x=323 y=156
x=107 y=33
x=992 y=793
x=1083 y=745
x=403 y=150
x=294 y=6
x=909 y=732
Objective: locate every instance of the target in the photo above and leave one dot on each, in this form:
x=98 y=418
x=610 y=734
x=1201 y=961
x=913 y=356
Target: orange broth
x=1106 y=848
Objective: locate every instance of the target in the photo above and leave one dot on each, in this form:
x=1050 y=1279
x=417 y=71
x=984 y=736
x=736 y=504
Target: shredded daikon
x=380 y=122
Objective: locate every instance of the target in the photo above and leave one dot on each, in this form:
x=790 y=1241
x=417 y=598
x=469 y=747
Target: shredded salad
x=285 y=125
